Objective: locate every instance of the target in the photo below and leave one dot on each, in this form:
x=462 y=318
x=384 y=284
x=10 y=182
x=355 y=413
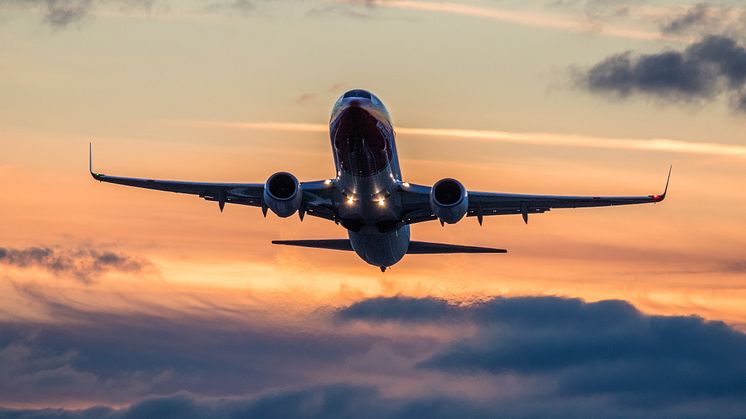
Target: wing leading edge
x=315 y=199
x=234 y=193
x=483 y=204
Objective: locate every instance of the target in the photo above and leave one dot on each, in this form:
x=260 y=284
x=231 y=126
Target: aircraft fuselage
x=368 y=178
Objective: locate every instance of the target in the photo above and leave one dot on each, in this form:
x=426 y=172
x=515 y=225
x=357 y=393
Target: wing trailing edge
x=330 y=244
x=426 y=248
x=415 y=247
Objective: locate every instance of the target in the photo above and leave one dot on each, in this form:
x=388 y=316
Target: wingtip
x=95 y=175
x=668 y=179
x=661 y=197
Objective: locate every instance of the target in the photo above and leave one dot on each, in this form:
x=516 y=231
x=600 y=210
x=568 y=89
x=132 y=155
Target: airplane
x=368 y=196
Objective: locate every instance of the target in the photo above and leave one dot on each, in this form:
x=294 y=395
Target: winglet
x=95 y=175
x=661 y=197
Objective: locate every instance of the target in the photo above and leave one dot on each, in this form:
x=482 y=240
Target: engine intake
x=282 y=194
x=449 y=200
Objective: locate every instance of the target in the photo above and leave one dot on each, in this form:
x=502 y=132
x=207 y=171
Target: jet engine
x=449 y=200
x=282 y=194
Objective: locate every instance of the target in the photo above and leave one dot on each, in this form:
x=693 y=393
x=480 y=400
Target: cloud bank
x=605 y=348
x=392 y=357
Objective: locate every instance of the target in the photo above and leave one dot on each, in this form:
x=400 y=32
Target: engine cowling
x=282 y=194
x=449 y=200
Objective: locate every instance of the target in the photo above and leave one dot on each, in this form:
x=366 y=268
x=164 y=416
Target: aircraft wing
x=316 y=196
x=483 y=204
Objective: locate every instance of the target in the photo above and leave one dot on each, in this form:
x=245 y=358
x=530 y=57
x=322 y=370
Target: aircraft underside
x=368 y=197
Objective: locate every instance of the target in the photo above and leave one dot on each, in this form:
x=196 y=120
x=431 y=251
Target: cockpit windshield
x=358 y=93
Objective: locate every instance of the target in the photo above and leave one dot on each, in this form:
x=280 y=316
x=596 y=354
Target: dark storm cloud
x=702 y=71
x=84 y=264
x=62 y=13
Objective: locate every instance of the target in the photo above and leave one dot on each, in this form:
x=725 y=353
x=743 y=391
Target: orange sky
x=674 y=257
x=138 y=301
x=153 y=95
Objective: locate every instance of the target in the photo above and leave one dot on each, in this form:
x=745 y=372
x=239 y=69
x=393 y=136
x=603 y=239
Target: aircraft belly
x=381 y=249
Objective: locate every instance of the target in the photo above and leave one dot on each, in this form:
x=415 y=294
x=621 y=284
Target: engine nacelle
x=449 y=200
x=282 y=194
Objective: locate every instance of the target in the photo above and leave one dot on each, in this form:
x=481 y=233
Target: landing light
x=381 y=202
x=350 y=200
x=405 y=184
x=328 y=182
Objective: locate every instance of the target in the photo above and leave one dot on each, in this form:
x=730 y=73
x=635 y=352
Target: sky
x=117 y=302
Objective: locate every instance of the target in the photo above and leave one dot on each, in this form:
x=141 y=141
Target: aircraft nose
x=355 y=103
x=357 y=93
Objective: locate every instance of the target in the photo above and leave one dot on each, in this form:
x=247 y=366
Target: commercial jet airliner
x=368 y=196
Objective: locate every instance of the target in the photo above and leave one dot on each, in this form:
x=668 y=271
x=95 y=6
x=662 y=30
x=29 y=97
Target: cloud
x=61 y=13
x=697 y=15
x=515 y=357
x=84 y=263
x=706 y=18
x=607 y=348
x=85 y=356
x=400 y=308
x=332 y=401
x=517 y=17
x=533 y=138
x=704 y=70
x=333 y=90
x=244 y=7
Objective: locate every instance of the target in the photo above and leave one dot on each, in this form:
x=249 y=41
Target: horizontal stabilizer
x=415 y=247
x=332 y=244
x=425 y=248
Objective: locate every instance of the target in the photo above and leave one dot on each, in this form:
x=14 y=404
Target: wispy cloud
x=531 y=138
x=311 y=96
x=705 y=18
x=84 y=263
x=62 y=13
x=519 y=17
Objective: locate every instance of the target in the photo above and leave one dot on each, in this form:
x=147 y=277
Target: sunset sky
x=136 y=300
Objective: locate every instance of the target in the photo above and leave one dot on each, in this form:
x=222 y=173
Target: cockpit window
x=357 y=93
